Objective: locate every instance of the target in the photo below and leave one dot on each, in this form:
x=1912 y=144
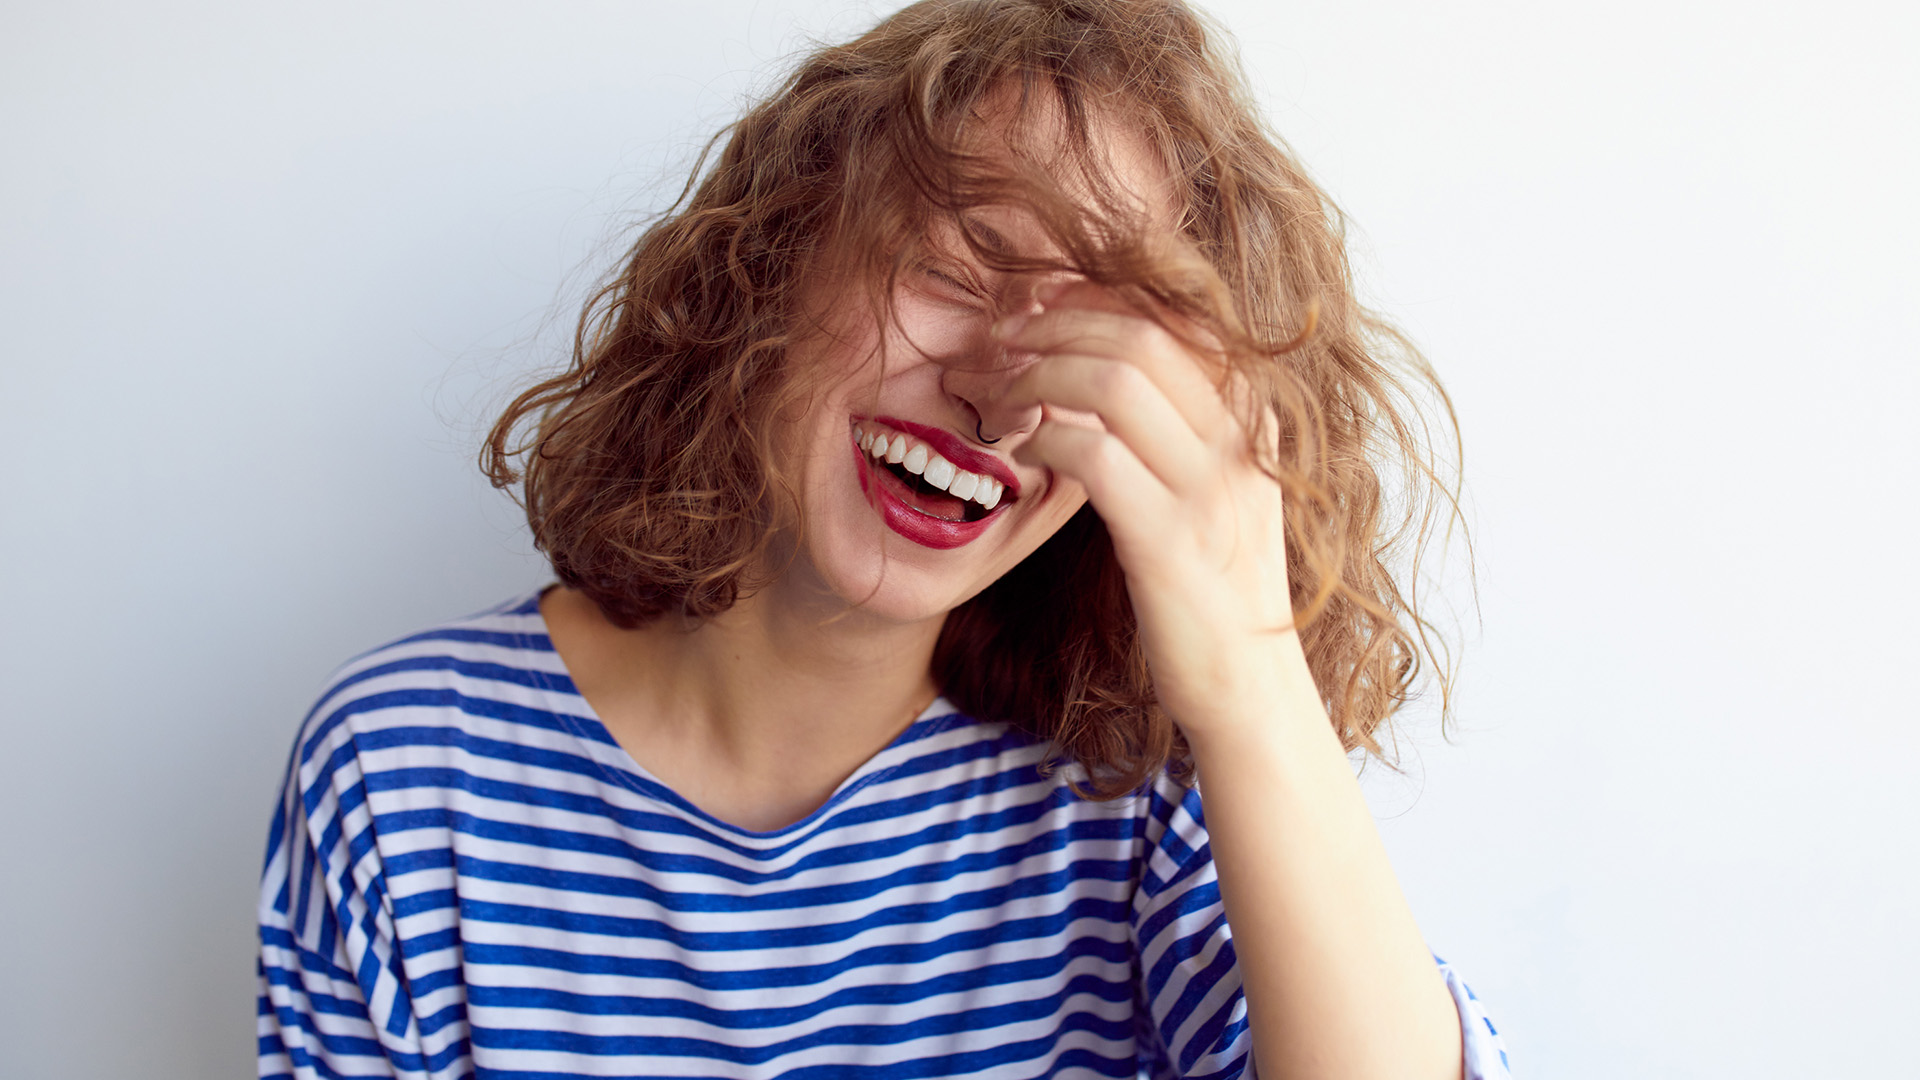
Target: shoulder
x=996 y=777
x=497 y=663
x=1173 y=828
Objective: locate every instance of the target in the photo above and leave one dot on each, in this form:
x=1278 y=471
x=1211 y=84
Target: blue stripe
x=452 y=777
x=1193 y=903
x=937 y=836
x=581 y=962
x=1198 y=987
x=442 y=698
x=321 y=1002
x=884 y=993
x=1182 y=951
x=965 y=1023
x=653 y=822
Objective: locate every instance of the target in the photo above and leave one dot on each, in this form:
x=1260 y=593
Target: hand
x=1197 y=526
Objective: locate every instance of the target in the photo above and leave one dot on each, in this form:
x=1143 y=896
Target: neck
x=773 y=679
x=759 y=713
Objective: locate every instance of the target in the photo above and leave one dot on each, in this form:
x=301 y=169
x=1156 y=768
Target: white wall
x=265 y=273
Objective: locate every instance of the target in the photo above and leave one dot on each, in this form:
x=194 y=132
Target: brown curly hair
x=648 y=467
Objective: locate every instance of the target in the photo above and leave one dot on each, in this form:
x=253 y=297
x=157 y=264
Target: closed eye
x=952 y=281
x=947 y=279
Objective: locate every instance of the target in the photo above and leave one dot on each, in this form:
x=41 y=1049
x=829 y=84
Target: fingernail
x=1010 y=325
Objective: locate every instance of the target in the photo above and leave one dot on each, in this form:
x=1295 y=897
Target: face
x=914 y=501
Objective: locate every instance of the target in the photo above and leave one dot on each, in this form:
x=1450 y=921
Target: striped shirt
x=467 y=876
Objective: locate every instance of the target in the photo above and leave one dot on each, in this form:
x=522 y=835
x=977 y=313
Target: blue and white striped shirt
x=467 y=876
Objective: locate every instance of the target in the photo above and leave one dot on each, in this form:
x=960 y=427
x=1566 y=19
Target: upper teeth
x=919 y=458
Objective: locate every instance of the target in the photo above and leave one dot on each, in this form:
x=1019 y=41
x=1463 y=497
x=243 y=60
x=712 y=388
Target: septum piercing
x=978 y=434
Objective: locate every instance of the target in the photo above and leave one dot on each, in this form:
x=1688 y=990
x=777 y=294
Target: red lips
x=878 y=486
x=962 y=455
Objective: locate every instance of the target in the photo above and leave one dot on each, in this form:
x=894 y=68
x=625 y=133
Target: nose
x=981 y=381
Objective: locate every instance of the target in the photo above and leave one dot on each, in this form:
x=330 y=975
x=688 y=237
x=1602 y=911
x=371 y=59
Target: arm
x=333 y=1000
x=1338 y=982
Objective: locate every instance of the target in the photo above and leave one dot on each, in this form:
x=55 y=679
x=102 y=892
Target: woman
x=984 y=458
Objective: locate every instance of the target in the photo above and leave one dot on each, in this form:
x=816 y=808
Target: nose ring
x=980 y=435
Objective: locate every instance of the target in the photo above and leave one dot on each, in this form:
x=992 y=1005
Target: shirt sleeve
x=1485 y=1056
x=334 y=999
x=1194 y=1022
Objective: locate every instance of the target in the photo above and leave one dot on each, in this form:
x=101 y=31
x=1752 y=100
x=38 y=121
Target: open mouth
x=928 y=487
x=914 y=490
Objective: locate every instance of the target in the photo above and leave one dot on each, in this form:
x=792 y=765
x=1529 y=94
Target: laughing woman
x=978 y=472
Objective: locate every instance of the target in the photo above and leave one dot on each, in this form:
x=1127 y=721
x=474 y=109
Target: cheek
x=938 y=331
x=1062 y=503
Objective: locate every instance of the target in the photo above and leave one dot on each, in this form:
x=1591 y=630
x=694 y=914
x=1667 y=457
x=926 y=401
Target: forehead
x=1105 y=164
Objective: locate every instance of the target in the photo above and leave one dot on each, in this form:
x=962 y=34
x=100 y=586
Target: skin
x=759 y=714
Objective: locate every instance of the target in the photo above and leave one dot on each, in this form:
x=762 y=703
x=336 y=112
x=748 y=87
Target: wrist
x=1264 y=689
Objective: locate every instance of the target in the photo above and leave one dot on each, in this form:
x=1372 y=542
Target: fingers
x=1130 y=406
x=1168 y=364
x=1146 y=386
x=1123 y=491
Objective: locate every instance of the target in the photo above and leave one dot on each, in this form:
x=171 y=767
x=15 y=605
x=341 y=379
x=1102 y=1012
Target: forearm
x=1339 y=981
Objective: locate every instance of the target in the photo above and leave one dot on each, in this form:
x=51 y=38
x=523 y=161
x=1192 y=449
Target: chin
x=878 y=580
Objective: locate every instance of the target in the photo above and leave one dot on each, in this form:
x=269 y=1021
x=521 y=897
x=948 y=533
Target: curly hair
x=648 y=469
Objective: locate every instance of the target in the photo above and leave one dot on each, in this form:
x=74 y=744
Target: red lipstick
x=877 y=485
x=962 y=455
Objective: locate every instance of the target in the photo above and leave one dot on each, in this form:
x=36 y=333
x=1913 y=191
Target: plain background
x=266 y=271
